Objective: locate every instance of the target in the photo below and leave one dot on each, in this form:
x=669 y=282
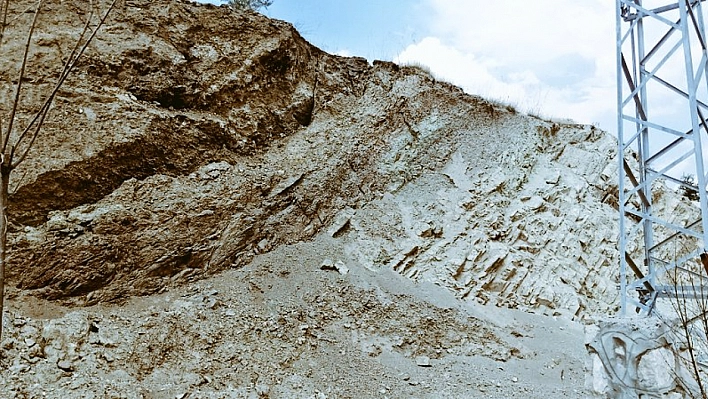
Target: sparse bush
x=419 y=66
x=689 y=192
x=511 y=108
x=548 y=131
x=251 y=4
x=690 y=325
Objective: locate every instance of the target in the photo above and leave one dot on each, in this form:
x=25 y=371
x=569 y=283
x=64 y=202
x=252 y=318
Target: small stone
x=262 y=390
x=514 y=379
x=108 y=356
x=327 y=264
x=423 y=361
x=211 y=303
x=341 y=268
x=65 y=365
x=206 y=212
x=341 y=222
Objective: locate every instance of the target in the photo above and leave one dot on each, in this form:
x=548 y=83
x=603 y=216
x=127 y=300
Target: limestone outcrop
x=311 y=225
x=192 y=137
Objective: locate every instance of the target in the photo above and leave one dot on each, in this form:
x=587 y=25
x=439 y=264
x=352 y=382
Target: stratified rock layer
x=193 y=137
x=528 y=228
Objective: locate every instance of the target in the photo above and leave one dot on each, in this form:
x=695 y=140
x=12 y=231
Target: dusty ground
x=284 y=328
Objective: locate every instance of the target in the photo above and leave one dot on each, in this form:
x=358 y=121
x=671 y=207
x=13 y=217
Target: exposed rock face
x=519 y=215
x=193 y=137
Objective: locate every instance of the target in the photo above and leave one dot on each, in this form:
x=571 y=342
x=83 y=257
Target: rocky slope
x=193 y=138
x=181 y=148
x=283 y=327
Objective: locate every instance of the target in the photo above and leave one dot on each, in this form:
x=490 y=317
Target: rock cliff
x=310 y=225
x=192 y=137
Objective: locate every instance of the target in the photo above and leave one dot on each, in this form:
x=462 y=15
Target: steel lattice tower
x=662 y=96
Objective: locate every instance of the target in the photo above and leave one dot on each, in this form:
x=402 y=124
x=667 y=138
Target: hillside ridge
x=193 y=137
x=217 y=207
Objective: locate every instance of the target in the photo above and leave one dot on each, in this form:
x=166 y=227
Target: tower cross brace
x=662 y=101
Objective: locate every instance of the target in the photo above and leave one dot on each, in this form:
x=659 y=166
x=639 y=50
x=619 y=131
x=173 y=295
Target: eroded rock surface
x=193 y=137
x=374 y=215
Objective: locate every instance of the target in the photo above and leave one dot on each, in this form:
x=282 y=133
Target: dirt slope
x=282 y=327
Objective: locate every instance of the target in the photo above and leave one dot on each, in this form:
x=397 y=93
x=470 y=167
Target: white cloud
x=344 y=53
x=554 y=57
x=526 y=31
x=464 y=69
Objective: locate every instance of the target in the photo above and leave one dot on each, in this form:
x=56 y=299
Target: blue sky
x=554 y=58
x=374 y=30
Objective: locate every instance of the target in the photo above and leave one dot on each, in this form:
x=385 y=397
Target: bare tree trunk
x=4 y=184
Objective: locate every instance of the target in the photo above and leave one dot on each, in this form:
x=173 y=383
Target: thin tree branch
x=38 y=119
x=18 y=183
x=4 y=8
x=74 y=58
x=20 y=14
x=692 y=346
x=62 y=76
x=15 y=104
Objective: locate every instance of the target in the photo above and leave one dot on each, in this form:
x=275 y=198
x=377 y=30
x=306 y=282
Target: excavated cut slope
x=193 y=137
